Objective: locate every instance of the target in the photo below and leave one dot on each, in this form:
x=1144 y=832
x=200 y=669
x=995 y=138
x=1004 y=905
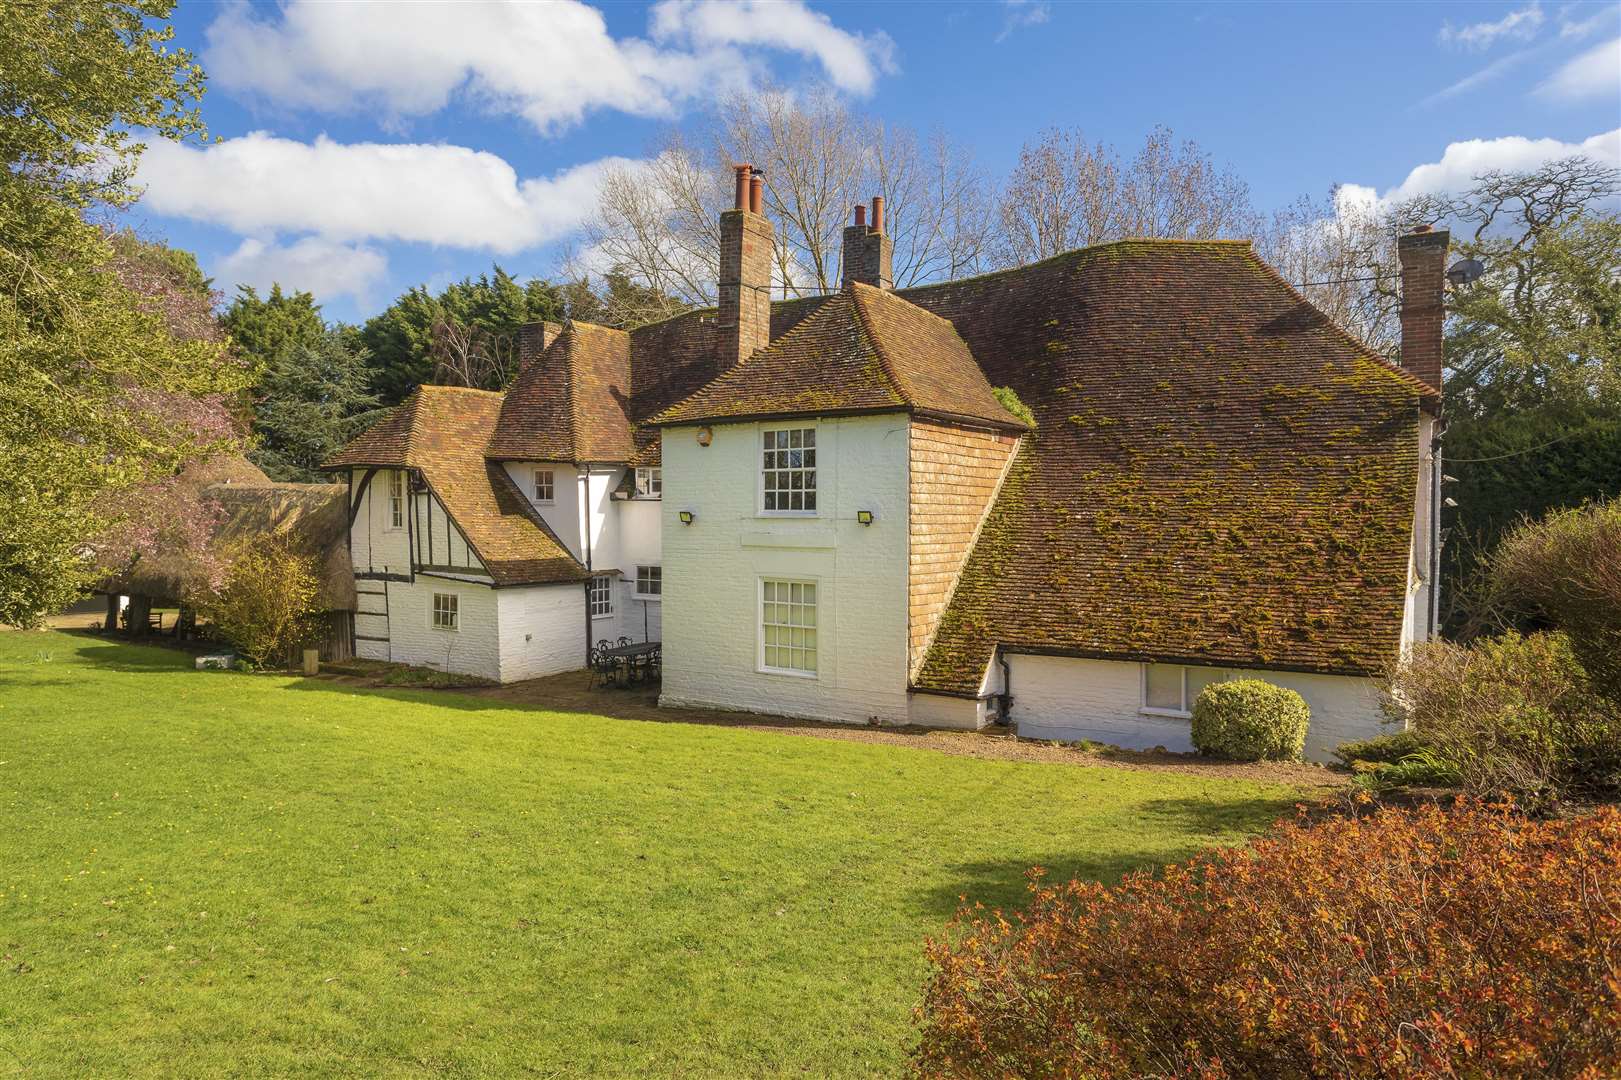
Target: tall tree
x=1066 y=192
x=262 y=326
x=103 y=389
x=658 y=223
x=415 y=339
x=313 y=398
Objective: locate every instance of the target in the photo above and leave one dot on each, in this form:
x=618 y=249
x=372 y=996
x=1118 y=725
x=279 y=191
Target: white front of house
x=777 y=597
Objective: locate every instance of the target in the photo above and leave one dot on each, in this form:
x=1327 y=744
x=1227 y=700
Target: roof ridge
x=896 y=384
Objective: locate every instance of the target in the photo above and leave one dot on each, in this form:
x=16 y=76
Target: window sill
x=604 y=615
x=1173 y=714
x=653 y=597
x=786 y=514
x=447 y=629
x=792 y=674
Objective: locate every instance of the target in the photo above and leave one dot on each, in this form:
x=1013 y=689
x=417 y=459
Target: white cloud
x=312 y=264
x=1462 y=161
x=550 y=63
x=1023 y=13
x=1519 y=25
x=852 y=62
x=1610 y=16
x=1595 y=73
x=1491 y=71
x=424 y=193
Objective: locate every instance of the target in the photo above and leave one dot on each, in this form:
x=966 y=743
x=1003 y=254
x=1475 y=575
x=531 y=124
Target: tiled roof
x=863 y=350
x=1218 y=475
x=572 y=403
x=442 y=432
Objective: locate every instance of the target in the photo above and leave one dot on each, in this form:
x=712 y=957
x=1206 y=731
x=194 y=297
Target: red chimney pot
x=742 y=172
x=861 y=213
x=757 y=192
x=878 y=213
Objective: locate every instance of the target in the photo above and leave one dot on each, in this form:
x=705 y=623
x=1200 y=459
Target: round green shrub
x=1250 y=720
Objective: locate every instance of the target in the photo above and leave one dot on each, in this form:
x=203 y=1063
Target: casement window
x=788 y=471
x=649 y=582
x=649 y=483
x=396 y=499
x=446 y=614
x=545 y=488
x=602 y=596
x=1169 y=689
x=788 y=627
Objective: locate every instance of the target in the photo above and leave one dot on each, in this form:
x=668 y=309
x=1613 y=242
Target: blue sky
x=369 y=147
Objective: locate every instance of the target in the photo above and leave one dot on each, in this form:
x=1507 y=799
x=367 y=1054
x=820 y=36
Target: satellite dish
x=1466 y=271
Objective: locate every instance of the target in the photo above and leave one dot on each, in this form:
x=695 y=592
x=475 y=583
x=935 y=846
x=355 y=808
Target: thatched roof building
x=315 y=517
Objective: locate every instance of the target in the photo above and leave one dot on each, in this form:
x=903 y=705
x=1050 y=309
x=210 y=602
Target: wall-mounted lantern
x=704 y=436
x=864 y=516
x=686 y=517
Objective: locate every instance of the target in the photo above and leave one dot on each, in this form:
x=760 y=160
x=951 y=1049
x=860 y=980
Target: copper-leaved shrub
x=1462 y=942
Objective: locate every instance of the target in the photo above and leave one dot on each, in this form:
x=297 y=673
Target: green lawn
x=208 y=874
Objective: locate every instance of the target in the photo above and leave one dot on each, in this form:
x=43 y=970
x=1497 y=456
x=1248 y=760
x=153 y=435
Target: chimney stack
x=1423 y=256
x=744 y=320
x=869 y=254
x=535 y=338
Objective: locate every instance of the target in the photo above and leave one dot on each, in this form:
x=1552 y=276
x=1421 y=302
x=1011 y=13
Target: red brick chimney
x=869 y=253
x=1423 y=255
x=744 y=321
x=535 y=338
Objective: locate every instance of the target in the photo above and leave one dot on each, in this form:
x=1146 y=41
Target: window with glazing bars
x=788 y=470
x=788 y=625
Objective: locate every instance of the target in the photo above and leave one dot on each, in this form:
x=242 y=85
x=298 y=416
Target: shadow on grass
x=1206 y=822
x=117 y=655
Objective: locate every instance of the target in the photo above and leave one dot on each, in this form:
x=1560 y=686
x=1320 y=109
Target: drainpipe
x=1435 y=529
x=585 y=525
x=1006 y=702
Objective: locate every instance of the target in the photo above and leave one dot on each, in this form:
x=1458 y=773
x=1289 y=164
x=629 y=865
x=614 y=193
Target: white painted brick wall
x=472 y=650
x=712 y=570
x=542 y=630
x=1071 y=699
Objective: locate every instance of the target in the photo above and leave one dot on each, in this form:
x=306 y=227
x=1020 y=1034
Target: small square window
x=545 y=489
x=446 y=614
x=602 y=596
x=649 y=483
x=649 y=581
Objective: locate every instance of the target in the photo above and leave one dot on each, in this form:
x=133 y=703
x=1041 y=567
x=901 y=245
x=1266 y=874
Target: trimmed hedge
x=1407 y=944
x=1250 y=720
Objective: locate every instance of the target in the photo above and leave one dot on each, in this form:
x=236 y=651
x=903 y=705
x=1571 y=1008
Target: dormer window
x=788 y=471
x=649 y=483
x=545 y=488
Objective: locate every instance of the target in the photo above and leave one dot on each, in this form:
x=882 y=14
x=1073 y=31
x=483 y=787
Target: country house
x=1064 y=496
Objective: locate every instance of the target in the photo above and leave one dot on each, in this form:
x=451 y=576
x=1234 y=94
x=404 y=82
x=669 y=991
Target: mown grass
x=207 y=874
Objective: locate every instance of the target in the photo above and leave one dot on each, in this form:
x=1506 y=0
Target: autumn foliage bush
x=1462 y=942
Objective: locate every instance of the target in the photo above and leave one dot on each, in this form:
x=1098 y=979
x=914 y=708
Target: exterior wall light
x=864 y=516
x=686 y=517
x=704 y=436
